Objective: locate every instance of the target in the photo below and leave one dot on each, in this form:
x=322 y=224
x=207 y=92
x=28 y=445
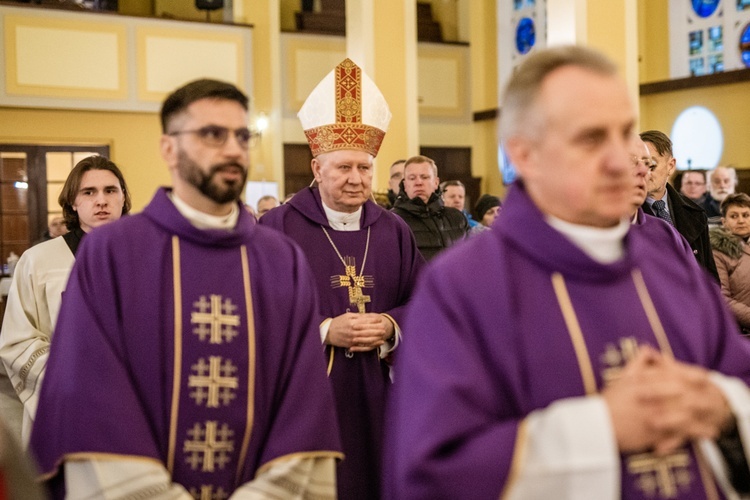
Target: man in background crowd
x=454 y=195
x=394 y=180
x=266 y=203
x=94 y=194
x=722 y=181
x=665 y=202
x=435 y=226
x=693 y=186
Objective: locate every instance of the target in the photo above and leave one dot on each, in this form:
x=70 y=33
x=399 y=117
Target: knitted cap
x=485 y=202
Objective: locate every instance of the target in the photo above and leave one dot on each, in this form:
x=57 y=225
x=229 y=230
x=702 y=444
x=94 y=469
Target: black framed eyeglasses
x=216 y=136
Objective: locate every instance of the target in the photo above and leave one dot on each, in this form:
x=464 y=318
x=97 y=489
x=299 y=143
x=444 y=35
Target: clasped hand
x=359 y=332
x=659 y=404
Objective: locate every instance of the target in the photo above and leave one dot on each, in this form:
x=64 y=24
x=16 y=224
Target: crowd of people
x=579 y=339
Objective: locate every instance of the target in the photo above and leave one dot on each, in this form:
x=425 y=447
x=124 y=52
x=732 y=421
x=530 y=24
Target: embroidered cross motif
x=354 y=283
x=209 y=447
x=213 y=381
x=615 y=358
x=207 y=493
x=215 y=319
x=664 y=476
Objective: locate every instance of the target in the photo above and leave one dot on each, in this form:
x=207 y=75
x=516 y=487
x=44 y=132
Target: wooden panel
x=743 y=179
x=454 y=164
x=13 y=169
x=13 y=199
x=15 y=229
x=297 y=173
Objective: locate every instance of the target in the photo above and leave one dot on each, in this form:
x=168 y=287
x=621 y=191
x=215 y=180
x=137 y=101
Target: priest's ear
x=168 y=150
x=520 y=150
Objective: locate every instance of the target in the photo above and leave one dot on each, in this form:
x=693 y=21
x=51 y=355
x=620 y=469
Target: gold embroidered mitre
x=345 y=111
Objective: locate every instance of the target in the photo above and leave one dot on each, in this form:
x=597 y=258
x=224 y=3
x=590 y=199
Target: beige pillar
x=610 y=26
x=484 y=94
x=267 y=157
x=383 y=41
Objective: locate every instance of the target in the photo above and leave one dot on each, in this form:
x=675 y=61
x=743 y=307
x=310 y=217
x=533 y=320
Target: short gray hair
x=523 y=89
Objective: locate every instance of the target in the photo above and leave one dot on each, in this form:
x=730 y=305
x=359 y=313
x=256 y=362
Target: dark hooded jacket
x=434 y=225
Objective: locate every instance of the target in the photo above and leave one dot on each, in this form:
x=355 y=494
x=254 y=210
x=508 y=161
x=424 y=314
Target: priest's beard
x=216 y=190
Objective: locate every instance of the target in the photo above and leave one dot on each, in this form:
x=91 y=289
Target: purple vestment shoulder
x=481 y=358
x=186 y=347
x=654 y=228
x=391 y=266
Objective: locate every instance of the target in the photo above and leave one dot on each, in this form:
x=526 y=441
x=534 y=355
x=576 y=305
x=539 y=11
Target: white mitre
x=345 y=111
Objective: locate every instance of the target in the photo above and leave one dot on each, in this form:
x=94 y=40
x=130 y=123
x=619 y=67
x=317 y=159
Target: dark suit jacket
x=691 y=222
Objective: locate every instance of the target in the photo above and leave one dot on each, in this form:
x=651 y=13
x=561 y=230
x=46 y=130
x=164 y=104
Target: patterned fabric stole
x=683 y=473
x=212 y=401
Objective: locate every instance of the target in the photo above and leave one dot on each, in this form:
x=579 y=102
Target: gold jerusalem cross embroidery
x=662 y=475
x=354 y=283
x=213 y=381
x=215 y=319
x=615 y=358
x=207 y=493
x=209 y=447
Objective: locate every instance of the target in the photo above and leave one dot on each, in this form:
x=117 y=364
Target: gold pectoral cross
x=354 y=283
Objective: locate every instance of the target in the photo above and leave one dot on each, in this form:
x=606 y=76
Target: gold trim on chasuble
x=348 y=132
x=212 y=429
x=658 y=475
x=177 y=372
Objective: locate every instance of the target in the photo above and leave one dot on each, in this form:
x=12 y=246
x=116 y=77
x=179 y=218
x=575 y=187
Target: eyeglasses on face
x=216 y=136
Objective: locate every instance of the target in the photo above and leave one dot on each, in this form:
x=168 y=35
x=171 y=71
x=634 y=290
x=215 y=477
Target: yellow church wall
x=133 y=139
x=653 y=40
x=729 y=103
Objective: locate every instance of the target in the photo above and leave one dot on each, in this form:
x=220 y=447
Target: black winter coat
x=434 y=225
x=691 y=222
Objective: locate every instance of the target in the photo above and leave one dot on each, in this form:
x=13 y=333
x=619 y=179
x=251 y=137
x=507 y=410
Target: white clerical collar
x=203 y=220
x=604 y=245
x=343 y=221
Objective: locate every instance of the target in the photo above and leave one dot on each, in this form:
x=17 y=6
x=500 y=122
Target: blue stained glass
x=525 y=35
x=705 y=8
x=745 y=45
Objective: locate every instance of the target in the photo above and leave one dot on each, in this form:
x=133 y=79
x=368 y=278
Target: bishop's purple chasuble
x=387 y=268
x=198 y=349
x=530 y=319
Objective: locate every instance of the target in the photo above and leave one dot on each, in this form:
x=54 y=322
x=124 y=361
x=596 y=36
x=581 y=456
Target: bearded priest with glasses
x=364 y=258
x=182 y=366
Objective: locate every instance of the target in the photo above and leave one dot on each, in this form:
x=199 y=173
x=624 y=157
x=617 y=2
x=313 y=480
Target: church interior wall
x=131 y=135
x=729 y=103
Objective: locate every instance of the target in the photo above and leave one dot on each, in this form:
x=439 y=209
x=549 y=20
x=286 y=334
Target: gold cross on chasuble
x=213 y=381
x=662 y=476
x=210 y=446
x=214 y=319
x=207 y=493
x=354 y=283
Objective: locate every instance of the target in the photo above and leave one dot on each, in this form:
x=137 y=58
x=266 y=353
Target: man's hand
x=359 y=332
x=659 y=404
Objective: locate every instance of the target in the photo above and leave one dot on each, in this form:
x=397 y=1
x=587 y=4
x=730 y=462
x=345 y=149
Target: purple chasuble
x=650 y=224
x=360 y=382
x=483 y=356
x=197 y=349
